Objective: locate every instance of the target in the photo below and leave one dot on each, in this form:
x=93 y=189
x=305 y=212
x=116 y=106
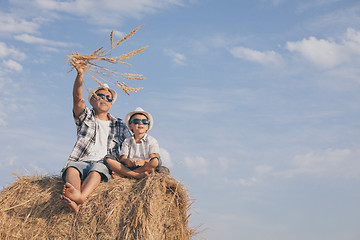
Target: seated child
x=139 y=154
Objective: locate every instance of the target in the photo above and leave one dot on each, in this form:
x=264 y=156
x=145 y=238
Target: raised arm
x=78 y=100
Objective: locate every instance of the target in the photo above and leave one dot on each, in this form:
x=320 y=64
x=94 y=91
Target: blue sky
x=256 y=103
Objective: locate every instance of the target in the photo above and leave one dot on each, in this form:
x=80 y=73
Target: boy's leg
x=148 y=167
x=122 y=170
x=72 y=178
x=75 y=193
x=71 y=204
x=90 y=183
x=88 y=186
x=72 y=187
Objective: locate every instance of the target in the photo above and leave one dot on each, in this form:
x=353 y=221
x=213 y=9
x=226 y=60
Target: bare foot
x=72 y=193
x=69 y=203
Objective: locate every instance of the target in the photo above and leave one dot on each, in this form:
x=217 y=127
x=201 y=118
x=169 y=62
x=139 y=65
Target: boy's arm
x=152 y=155
x=128 y=161
x=154 y=149
x=78 y=100
x=125 y=148
x=141 y=162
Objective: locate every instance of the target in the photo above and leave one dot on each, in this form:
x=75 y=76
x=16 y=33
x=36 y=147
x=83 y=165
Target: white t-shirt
x=99 y=149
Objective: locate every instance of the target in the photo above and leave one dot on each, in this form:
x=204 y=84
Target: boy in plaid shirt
x=98 y=134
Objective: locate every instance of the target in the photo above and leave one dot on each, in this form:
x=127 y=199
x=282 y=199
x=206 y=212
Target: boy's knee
x=108 y=161
x=109 y=158
x=154 y=162
x=96 y=175
x=71 y=170
x=151 y=165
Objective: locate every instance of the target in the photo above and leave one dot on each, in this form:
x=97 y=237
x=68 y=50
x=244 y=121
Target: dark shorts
x=85 y=167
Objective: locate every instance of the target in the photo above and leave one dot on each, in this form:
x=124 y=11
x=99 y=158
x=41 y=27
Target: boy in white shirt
x=139 y=154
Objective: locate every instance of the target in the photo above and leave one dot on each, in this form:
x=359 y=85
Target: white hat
x=141 y=111
x=113 y=93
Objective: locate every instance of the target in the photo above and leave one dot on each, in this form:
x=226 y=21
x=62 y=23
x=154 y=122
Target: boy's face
x=139 y=128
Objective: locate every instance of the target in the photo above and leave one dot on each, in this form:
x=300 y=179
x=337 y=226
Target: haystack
x=155 y=207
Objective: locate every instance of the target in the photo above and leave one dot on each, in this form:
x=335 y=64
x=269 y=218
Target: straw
x=155 y=207
x=101 y=56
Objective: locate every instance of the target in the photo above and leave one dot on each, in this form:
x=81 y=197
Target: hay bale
x=155 y=207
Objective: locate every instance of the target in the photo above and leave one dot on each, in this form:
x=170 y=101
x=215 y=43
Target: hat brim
x=148 y=115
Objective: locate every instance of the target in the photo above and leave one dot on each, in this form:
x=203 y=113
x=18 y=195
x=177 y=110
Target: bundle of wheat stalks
x=103 y=74
x=155 y=207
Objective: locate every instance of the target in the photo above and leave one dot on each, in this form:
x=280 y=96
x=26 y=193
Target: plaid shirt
x=86 y=132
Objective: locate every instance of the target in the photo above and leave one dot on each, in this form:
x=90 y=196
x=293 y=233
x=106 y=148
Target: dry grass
x=155 y=207
x=101 y=56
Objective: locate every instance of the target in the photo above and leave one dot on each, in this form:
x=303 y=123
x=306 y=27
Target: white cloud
x=13 y=65
x=275 y=2
x=105 y=12
x=6 y=51
x=200 y=100
x=8 y=160
x=259 y=173
x=265 y=58
x=36 y=40
x=12 y=97
x=352 y=40
x=177 y=58
x=338 y=163
x=3 y=117
x=244 y=182
x=328 y=53
x=218 y=41
x=118 y=34
x=12 y=160
x=224 y=163
x=9 y=52
x=48 y=50
x=10 y=23
x=197 y=165
x=322 y=53
x=165 y=158
x=262 y=170
x=37 y=169
x=214 y=43
x=330 y=163
x=313 y=4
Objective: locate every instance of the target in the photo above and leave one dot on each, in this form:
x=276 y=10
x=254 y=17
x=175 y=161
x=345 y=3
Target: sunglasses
x=136 y=121
x=102 y=96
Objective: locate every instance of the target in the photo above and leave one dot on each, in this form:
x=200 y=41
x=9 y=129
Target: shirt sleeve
x=154 y=146
x=80 y=119
x=125 y=147
x=125 y=132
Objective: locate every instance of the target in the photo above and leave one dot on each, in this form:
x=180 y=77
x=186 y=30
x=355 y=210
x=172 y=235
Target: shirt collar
x=111 y=117
x=144 y=139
